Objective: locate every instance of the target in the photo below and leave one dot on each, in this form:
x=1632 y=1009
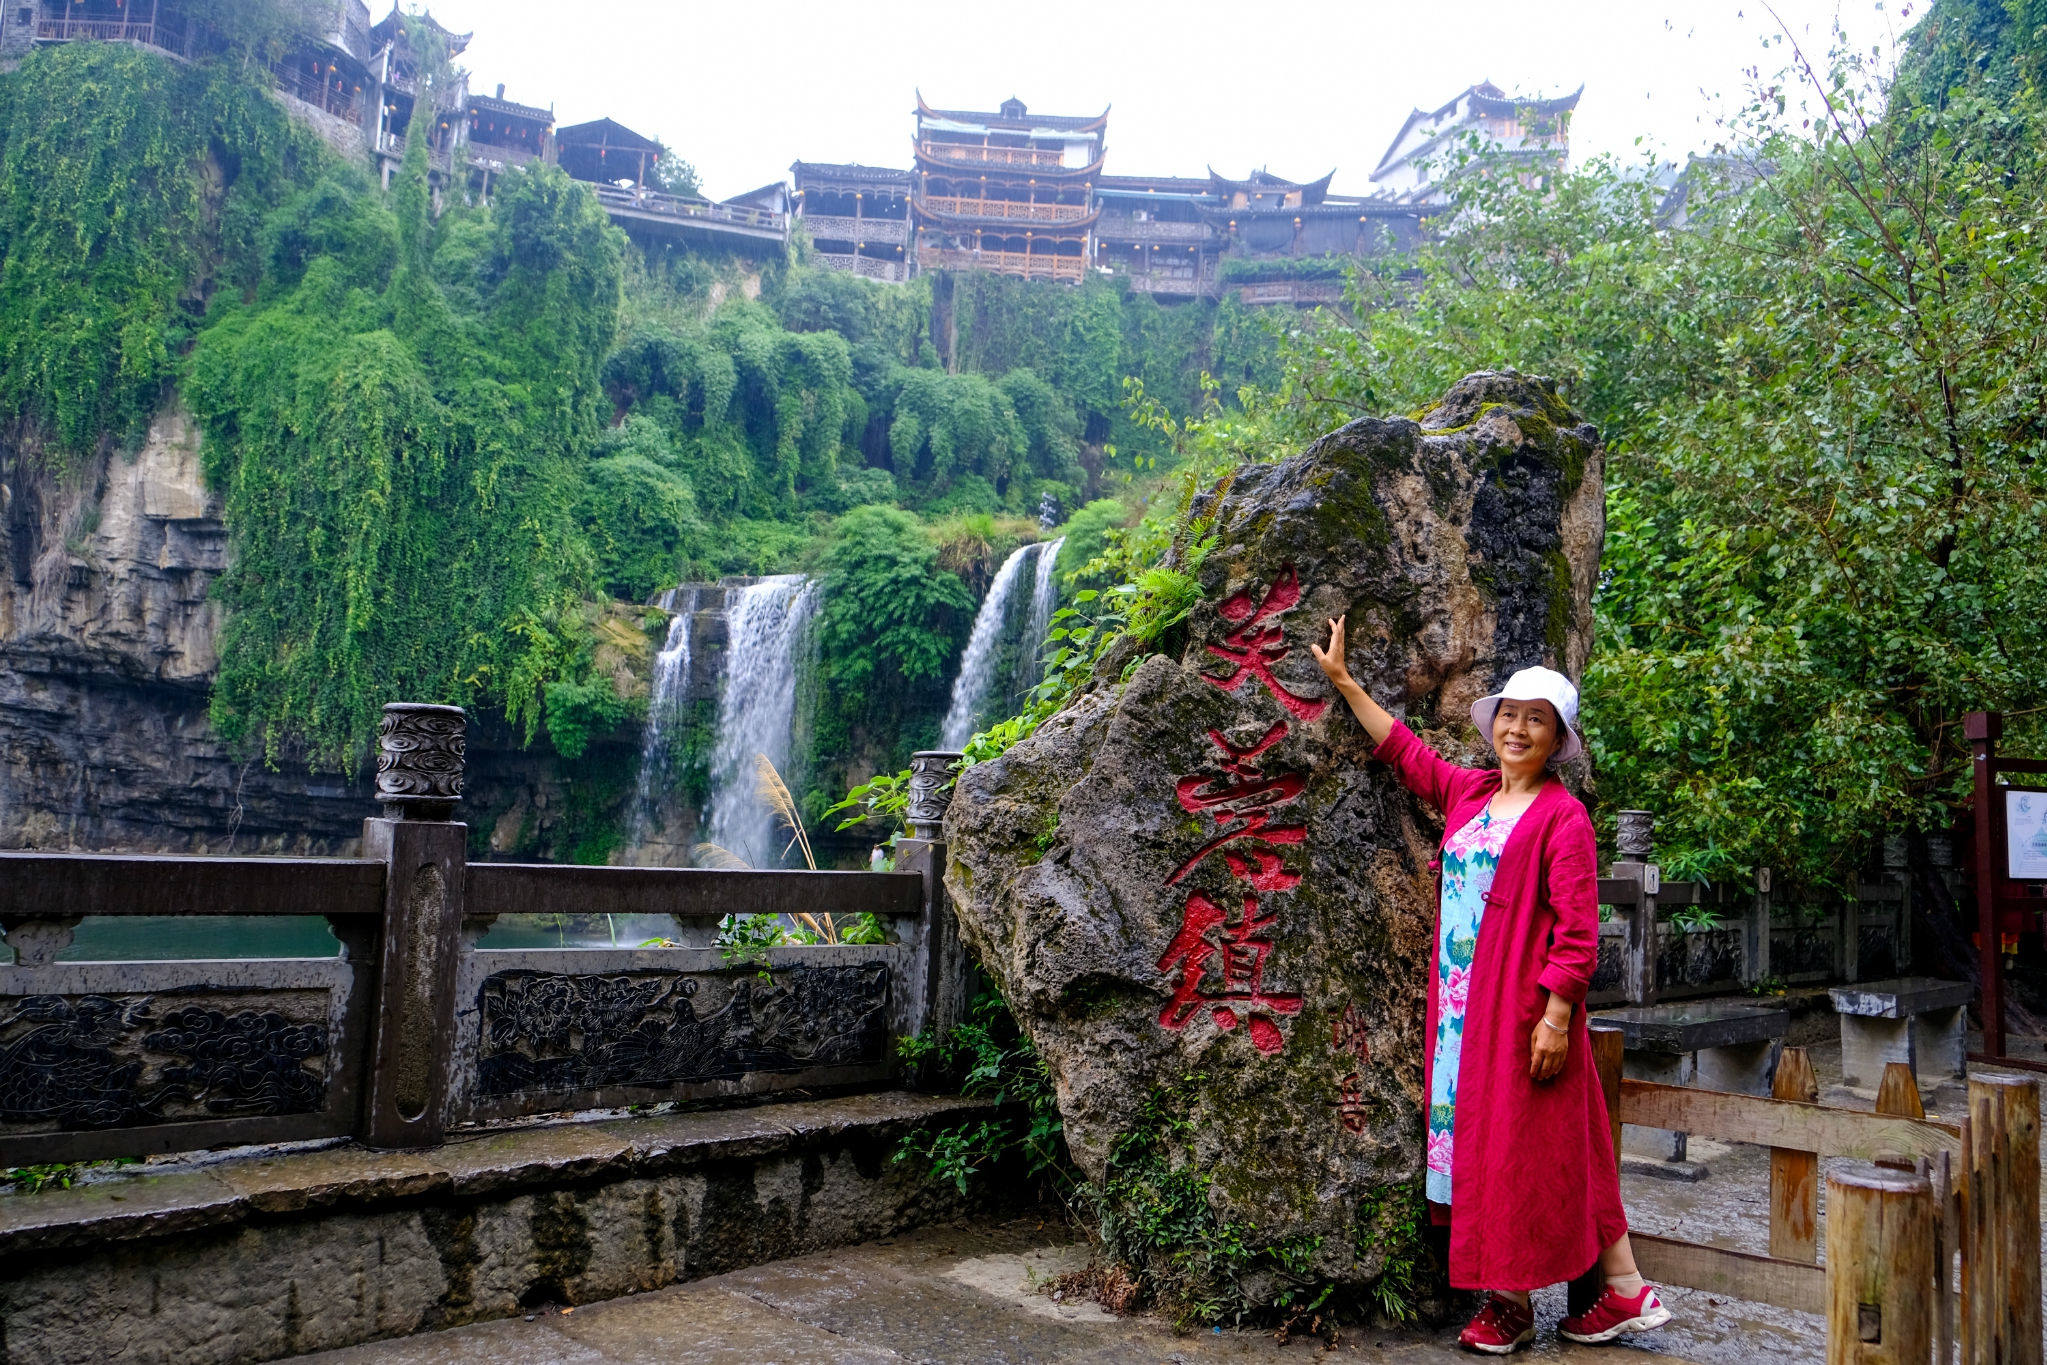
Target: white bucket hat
x=1535 y=684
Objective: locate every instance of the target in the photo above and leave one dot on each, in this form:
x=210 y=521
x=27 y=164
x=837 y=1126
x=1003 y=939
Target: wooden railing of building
x=415 y=1024
x=974 y=155
x=1027 y=264
x=169 y=37
x=1964 y=1270
x=838 y=228
x=1003 y=208
x=682 y=207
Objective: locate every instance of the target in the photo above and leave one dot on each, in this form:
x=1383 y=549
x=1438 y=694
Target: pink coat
x=1536 y=1196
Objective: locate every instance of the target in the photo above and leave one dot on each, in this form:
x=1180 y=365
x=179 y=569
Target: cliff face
x=107 y=650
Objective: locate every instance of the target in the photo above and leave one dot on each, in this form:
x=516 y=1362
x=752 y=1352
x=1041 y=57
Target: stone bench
x=1918 y=1020
x=1707 y=1044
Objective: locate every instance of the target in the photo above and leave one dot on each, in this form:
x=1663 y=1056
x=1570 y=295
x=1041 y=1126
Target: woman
x=1519 y=1143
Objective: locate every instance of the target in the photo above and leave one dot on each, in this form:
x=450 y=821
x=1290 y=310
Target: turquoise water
x=176 y=938
x=182 y=938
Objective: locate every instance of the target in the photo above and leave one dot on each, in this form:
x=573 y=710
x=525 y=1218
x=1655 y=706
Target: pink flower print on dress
x=1457 y=988
x=1439 y=1151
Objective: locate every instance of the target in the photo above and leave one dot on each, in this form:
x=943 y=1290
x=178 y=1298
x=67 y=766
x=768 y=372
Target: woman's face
x=1525 y=734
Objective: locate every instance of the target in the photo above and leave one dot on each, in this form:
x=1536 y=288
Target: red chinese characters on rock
x=1241 y=800
x=1350 y=1107
x=1242 y=797
x=1255 y=646
x=1347 y=1034
x=1242 y=950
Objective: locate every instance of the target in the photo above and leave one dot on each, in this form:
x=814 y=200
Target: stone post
x=948 y=971
x=1898 y=867
x=1755 y=939
x=425 y=854
x=1636 y=844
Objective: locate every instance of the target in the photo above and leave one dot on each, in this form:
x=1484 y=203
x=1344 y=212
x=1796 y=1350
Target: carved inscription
x=1220 y=957
x=96 y=1061
x=544 y=1031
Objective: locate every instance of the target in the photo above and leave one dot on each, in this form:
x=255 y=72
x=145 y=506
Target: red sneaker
x=1501 y=1327
x=1614 y=1315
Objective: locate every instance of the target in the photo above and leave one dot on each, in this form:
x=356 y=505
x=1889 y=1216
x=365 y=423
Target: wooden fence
x=1965 y=1273
x=416 y=1024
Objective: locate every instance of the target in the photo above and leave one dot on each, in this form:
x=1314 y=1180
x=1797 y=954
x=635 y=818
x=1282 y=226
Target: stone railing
x=958 y=207
x=416 y=1024
x=866 y=267
x=1722 y=947
x=837 y=228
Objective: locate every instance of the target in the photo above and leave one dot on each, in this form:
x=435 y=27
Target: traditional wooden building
x=165 y=24
x=503 y=133
x=621 y=164
x=1006 y=191
x=1535 y=133
x=858 y=218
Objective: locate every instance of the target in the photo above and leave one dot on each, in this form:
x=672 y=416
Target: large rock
x=1192 y=885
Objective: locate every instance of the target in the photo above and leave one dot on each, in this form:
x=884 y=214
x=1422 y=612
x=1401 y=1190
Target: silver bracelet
x=1560 y=1028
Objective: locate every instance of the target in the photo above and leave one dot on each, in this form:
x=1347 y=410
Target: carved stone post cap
x=420 y=749
x=1636 y=837
x=931 y=790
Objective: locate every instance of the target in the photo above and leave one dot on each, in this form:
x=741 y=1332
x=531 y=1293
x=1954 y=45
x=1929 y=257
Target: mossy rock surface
x=1462 y=547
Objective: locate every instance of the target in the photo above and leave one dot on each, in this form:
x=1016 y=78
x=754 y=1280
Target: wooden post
x=1984 y=729
x=1899 y=1092
x=1794 y=1175
x=2000 y=1235
x=1879 y=1268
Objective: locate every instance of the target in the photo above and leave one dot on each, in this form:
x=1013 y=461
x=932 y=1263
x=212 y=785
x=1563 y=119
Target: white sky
x=741 y=90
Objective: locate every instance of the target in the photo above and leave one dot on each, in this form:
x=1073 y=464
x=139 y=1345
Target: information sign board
x=2025 y=827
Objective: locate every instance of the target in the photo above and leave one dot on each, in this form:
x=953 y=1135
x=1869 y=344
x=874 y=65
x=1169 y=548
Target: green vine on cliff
x=401 y=462
x=134 y=186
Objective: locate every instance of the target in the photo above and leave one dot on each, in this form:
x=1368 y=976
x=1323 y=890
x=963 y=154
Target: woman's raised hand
x=1374 y=717
x=1331 y=658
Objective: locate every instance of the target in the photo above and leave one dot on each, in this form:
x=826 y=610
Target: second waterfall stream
x=1002 y=659
x=768 y=625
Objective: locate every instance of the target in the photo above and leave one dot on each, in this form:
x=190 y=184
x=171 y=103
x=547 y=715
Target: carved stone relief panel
x=545 y=1031
x=81 y=1061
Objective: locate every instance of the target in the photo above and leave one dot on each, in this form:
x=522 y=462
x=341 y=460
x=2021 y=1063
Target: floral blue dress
x=1470 y=857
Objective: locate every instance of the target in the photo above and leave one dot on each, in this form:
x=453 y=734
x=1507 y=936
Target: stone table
x=1710 y=1044
x=1918 y=1020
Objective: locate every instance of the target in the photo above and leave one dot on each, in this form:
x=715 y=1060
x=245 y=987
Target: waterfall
x=768 y=623
x=982 y=667
x=979 y=665
x=667 y=698
x=1030 y=662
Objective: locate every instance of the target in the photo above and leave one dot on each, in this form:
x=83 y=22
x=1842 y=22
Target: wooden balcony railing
x=171 y=38
x=971 y=155
x=867 y=268
x=1003 y=208
x=1120 y=227
x=678 y=206
x=837 y=228
x=1023 y=263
